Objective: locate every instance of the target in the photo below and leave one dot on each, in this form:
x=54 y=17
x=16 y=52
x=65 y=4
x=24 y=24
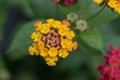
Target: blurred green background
x=79 y=65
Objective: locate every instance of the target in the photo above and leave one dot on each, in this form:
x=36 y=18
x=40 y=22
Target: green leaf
x=2 y=63
x=23 y=5
x=38 y=8
x=21 y=42
x=46 y=9
x=87 y=8
x=3 y=16
x=111 y=33
x=93 y=38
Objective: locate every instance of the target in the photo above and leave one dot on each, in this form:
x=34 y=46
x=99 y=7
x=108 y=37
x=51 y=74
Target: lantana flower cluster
x=52 y=39
x=114 y=4
x=111 y=69
x=66 y=2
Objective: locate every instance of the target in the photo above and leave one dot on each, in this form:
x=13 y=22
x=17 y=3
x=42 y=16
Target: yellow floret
x=50 y=21
x=66 y=44
x=75 y=45
x=33 y=49
x=115 y=4
x=56 y=24
x=64 y=30
x=51 y=60
x=52 y=52
x=63 y=53
x=70 y=35
x=98 y=1
x=44 y=52
x=36 y=36
x=45 y=28
x=41 y=44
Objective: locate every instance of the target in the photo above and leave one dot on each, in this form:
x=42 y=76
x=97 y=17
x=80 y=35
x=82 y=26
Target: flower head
x=113 y=4
x=81 y=25
x=52 y=39
x=72 y=17
x=111 y=69
x=98 y=1
x=66 y=2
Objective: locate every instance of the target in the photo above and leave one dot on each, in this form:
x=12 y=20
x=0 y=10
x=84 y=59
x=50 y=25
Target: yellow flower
x=66 y=23
x=66 y=44
x=70 y=35
x=50 y=21
x=57 y=24
x=51 y=60
x=63 y=53
x=38 y=25
x=36 y=36
x=45 y=28
x=51 y=63
x=55 y=59
x=51 y=40
x=33 y=50
x=63 y=30
x=75 y=45
x=44 y=52
x=115 y=4
x=98 y=1
x=41 y=44
x=52 y=52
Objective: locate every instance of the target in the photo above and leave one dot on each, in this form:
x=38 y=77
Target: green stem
x=97 y=13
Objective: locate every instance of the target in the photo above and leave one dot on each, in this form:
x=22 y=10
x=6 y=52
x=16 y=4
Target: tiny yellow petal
x=63 y=53
x=51 y=63
x=75 y=45
x=44 y=52
x=66 y=23
x=52 y=52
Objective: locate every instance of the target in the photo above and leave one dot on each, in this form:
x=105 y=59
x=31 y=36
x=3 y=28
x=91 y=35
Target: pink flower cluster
x=66 y=2
x=111 y=69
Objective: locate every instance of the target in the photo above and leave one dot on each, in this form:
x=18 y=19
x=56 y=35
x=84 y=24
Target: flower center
x=52 y=39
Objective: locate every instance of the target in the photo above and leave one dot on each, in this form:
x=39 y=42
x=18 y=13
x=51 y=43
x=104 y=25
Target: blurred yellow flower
x=98 y=1
x=51 y=40
x=63 y=53
x=36 y=36
x=114 y=4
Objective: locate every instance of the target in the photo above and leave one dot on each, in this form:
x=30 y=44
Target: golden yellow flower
x=66 y=44
x=52 y=52
x=51 y=40
x=115 y=4
x=45 y=28
x=37 y=25
x=36 y=36
x=41 y=45
x=51 y=63
x=50 y=21
x=63 y=53
x=51 y=60
x=33 y=49
x=98 y=1
x=44 y=52
x=63 y=31
x=70 y=35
